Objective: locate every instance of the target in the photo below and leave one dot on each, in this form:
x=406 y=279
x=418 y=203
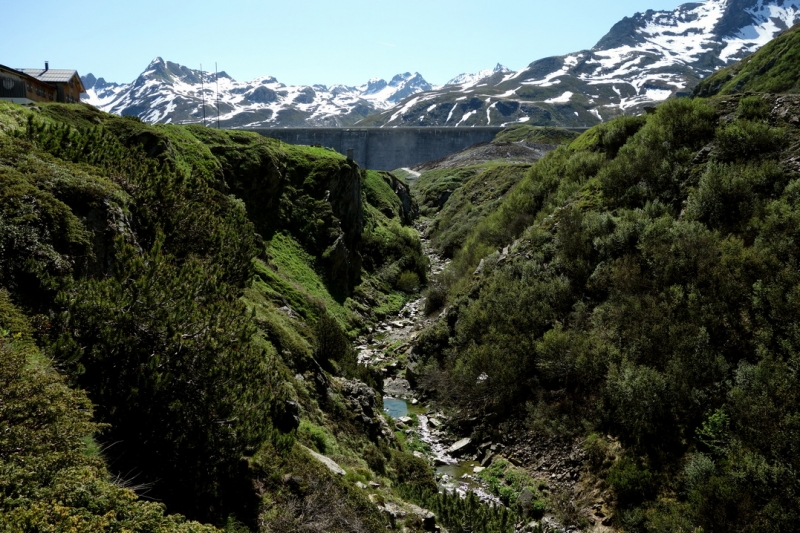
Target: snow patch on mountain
x=642 y=60
x=563 y=99
x=769 y=20
x=466 y=80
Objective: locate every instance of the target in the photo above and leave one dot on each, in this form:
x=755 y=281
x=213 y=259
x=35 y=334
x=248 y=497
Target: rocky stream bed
x=456 y=458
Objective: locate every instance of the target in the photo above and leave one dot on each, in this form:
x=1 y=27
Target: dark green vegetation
x=198 y=288
x=535 y=134
x=463 y=515
x=53 y=478
x=774 y=69
x=462 y=197
x=647 y=291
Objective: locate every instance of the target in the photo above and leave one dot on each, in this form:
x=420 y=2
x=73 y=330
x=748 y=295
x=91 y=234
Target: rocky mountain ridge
x=642 y=60
x=167 y=92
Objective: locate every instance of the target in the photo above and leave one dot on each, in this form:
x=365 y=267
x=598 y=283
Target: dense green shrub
x=631 y=482
x=654 y=166
x=332 y=345
x=748 y=141
x=411 y=471
x=752 y=108
x=168 y=355
x=408 y=281
x=728 y=196
x=638 y=397
x=609 y=137
x=52 y=477
x=649 y=293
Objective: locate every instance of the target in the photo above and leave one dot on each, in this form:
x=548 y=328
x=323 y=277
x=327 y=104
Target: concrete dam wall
x=387 y=148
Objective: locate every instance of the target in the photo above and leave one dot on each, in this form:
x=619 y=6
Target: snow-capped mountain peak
x=170 y=92
x=470 y=80
x=642 y=60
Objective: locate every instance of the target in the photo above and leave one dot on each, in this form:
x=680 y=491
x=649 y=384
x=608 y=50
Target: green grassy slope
x=470 y=201
x=775 y=68
x=535 y=134
x=459 y=199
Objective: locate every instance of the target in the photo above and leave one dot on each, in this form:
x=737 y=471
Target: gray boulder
x=397 y=387
x=329 y=463
x=459 y=447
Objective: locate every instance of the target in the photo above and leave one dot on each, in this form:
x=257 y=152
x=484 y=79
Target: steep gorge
x=607 y=340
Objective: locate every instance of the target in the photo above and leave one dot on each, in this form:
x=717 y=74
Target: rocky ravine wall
x=387 y=148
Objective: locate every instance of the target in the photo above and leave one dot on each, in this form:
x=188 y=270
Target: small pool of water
x=454 y=472
x=451 y=478
x=395 y=407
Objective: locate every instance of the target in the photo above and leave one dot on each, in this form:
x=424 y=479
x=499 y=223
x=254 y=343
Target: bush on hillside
x=648 y=292
x=53 y=478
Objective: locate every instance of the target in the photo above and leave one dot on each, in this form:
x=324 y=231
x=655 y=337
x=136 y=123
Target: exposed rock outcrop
x=363 y=402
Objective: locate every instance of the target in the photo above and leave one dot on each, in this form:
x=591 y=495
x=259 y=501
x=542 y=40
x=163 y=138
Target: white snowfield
x=466 y=81
x=563 y=99
x=679 y=38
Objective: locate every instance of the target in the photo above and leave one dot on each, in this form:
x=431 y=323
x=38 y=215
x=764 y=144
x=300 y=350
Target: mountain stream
x=387 y=348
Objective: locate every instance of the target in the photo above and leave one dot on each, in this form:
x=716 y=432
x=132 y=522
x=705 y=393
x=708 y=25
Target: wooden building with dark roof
x=29 y=85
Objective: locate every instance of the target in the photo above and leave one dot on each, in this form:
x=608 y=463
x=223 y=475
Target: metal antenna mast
x=203 y=94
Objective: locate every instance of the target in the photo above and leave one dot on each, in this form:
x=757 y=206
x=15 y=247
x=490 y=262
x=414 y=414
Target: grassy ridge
x=775 y=68
x=535 y=134
x=473 y=200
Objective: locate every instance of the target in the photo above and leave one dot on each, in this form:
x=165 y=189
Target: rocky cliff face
x=342 y=258
x=323 y=209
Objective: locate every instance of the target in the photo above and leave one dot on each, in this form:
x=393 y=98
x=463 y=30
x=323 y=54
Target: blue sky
x=305 y=42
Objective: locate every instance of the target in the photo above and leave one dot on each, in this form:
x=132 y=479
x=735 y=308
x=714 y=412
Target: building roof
x=53 y=75
x=15 y=71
